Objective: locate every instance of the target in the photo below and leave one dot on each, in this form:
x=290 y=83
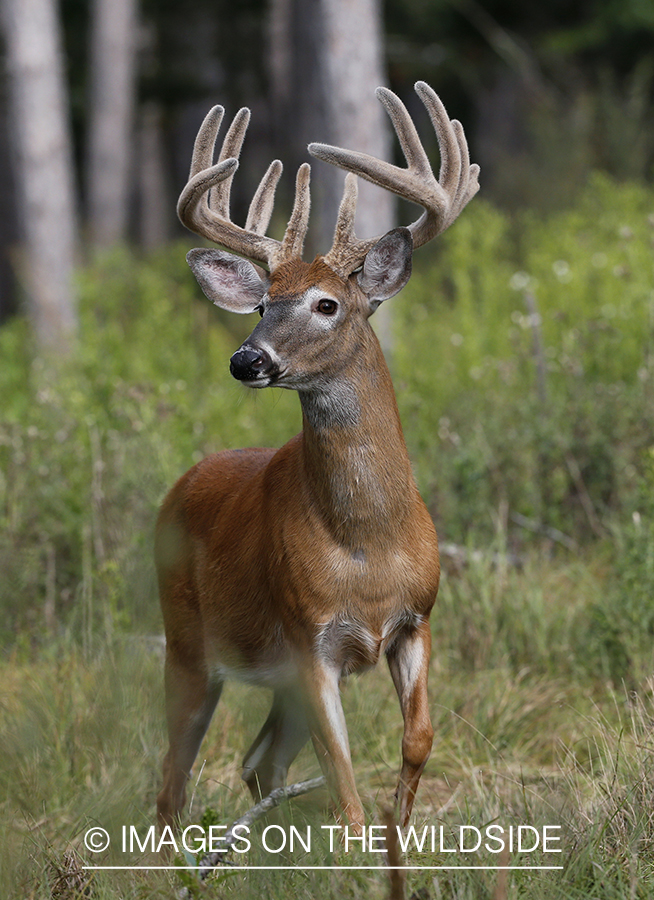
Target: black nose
x=249 y=363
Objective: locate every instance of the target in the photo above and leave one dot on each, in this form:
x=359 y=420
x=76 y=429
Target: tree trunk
x=353 y=62
x=44 y=173
x=154 y=198
x=112 y=100
x=326 y=59
x=353 y=65
x=9 y=235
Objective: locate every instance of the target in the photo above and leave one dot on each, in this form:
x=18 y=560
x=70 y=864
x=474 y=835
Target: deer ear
x=387 y=267
x=228 y=281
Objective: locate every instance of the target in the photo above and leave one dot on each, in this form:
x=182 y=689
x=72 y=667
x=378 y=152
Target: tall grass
x=516 y=744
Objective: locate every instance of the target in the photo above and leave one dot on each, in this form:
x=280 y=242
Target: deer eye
x=327 y=307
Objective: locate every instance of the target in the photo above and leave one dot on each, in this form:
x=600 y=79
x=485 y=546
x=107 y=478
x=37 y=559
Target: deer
x=294 y=568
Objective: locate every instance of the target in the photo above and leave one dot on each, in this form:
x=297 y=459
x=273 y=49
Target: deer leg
x=281 y=738
x=190 y=701
x=330 y=741
x=408 y=661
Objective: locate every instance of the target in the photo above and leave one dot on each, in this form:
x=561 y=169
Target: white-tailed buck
x=293 y=568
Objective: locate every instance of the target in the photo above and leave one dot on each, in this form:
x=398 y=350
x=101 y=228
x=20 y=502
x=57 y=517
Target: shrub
x=524 y=365
x=86 y=457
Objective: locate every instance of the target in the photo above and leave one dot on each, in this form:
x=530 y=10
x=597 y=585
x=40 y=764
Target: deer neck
x=355 y=458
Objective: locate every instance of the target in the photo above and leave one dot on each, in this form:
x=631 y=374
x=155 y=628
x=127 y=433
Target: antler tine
x=347 y=252
x=407 y=135
x=296 y=230
x=212 y=219
x=344 y=231
x=451 y=168
x=263 y=201
x=231 y=149
x=457 y=176
x=204 y=142
x=442 y=199
x=203 y=175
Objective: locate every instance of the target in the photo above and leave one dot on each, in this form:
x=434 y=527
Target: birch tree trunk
x=111 y=113
x=41 y=149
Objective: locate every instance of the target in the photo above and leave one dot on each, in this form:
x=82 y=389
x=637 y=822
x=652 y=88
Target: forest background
x=522 y=357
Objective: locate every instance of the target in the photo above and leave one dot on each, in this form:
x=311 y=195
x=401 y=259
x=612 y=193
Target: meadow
x=523 y=364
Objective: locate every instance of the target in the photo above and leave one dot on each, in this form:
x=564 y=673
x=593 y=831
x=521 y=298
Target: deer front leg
x=330 y=740
x=408 y=661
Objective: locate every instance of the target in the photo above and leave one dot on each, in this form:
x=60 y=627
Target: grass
x=517 y=743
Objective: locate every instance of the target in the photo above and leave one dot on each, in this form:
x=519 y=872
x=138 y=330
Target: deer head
x=303 y=305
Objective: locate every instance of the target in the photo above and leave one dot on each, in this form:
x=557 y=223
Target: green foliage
x=87 y=453
x=621 y=620
x=524 y=365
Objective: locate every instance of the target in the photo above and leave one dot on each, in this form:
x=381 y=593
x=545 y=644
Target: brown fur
x=296 y=276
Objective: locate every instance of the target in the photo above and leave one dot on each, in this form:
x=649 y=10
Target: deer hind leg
x=190 y=701
x=281 y=738
x=408 y=661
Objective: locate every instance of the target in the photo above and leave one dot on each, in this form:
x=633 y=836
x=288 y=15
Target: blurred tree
x=352 y=58
x=193 y=57
x=326 y=59
x=554 y=90
x=8 y=220
x=110 y=120
x=155 y=201
x=42 y=153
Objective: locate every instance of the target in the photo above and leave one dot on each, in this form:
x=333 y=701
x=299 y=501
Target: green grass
x=517 y=743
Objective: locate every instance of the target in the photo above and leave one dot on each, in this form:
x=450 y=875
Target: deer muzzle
x=251 y=364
